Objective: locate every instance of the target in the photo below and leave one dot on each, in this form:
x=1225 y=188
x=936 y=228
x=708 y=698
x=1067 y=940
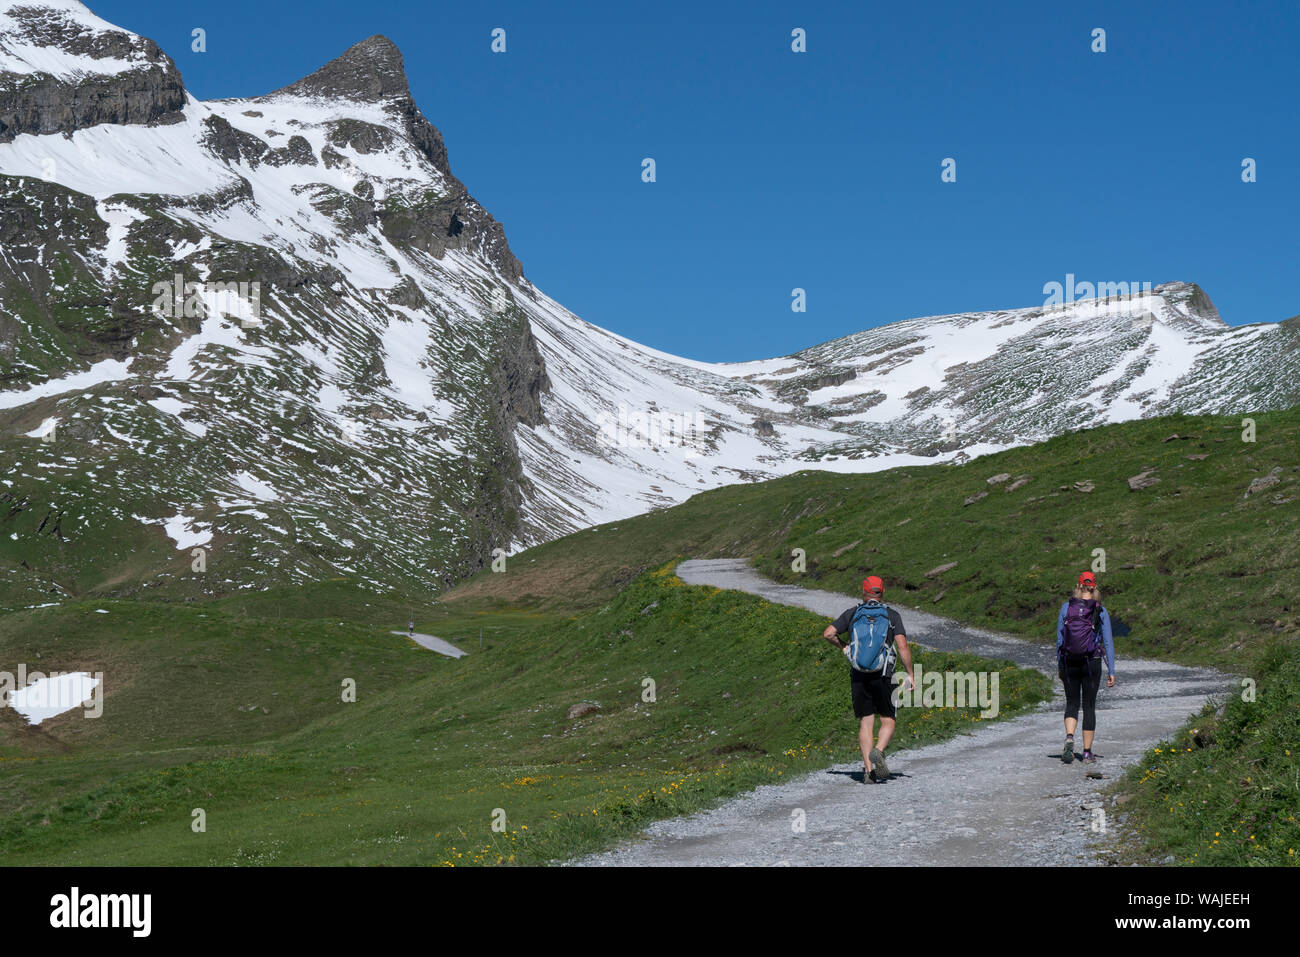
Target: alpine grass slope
x=281 y=329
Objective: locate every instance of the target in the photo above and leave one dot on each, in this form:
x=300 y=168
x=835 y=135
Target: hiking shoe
x=1088 y=758
x=881 y=771
x=1068 y=754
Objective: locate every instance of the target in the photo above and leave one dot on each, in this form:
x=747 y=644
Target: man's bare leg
x=887 y=726
x=865 y=741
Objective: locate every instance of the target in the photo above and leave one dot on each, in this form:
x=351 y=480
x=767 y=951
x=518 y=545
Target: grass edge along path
x=746 y=694
x=1224 y=790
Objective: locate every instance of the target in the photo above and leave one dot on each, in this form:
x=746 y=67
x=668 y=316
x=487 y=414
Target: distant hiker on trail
x=1082 y=634
x=875 y=637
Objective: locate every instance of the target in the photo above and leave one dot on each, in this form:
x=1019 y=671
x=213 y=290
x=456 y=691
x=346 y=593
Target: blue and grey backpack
x=869 y=633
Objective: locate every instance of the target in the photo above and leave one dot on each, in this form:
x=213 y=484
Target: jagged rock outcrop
x=297 y=151
x=233 y=145
x=62 y=69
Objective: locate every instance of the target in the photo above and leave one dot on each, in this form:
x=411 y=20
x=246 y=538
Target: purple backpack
x=1082 y=627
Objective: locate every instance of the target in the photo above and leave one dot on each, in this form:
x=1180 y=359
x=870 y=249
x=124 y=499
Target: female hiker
x=1082 y=634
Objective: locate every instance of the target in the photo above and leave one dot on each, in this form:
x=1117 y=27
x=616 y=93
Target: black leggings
x=1082 y=675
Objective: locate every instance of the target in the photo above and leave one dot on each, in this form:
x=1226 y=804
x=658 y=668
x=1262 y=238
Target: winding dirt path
x=998 y=796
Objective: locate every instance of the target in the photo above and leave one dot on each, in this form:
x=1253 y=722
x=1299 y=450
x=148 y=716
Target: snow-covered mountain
x=281 y=329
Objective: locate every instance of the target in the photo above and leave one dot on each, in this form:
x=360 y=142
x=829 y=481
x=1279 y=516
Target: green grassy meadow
x=235 y=706
x=247 y=722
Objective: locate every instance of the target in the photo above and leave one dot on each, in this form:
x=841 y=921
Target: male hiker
x=875 y=633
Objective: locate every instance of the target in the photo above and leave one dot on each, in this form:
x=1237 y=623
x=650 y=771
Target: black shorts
x=872 y=694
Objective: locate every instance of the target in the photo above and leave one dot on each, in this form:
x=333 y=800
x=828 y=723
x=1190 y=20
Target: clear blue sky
x=821 y=170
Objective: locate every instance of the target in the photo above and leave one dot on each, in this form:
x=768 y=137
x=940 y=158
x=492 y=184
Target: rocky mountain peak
x=373 y=72
x=368 y=72
x=1192 y=299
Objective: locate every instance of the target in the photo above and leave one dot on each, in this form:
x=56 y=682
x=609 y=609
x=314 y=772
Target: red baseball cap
x=1087 y=578
x=874 y=583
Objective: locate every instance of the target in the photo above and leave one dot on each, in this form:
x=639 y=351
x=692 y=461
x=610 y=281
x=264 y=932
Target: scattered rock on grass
x=1021 y=481
x=1263 y=482
x=1144 y=479
x=999 y=478
x=940 y=569
x=582 y=708
x=1084 y=485
x=840 y=551
x=972 y=499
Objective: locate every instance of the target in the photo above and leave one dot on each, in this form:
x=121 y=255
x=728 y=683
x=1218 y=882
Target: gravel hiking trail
x=433 y=644
x=998 y=796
